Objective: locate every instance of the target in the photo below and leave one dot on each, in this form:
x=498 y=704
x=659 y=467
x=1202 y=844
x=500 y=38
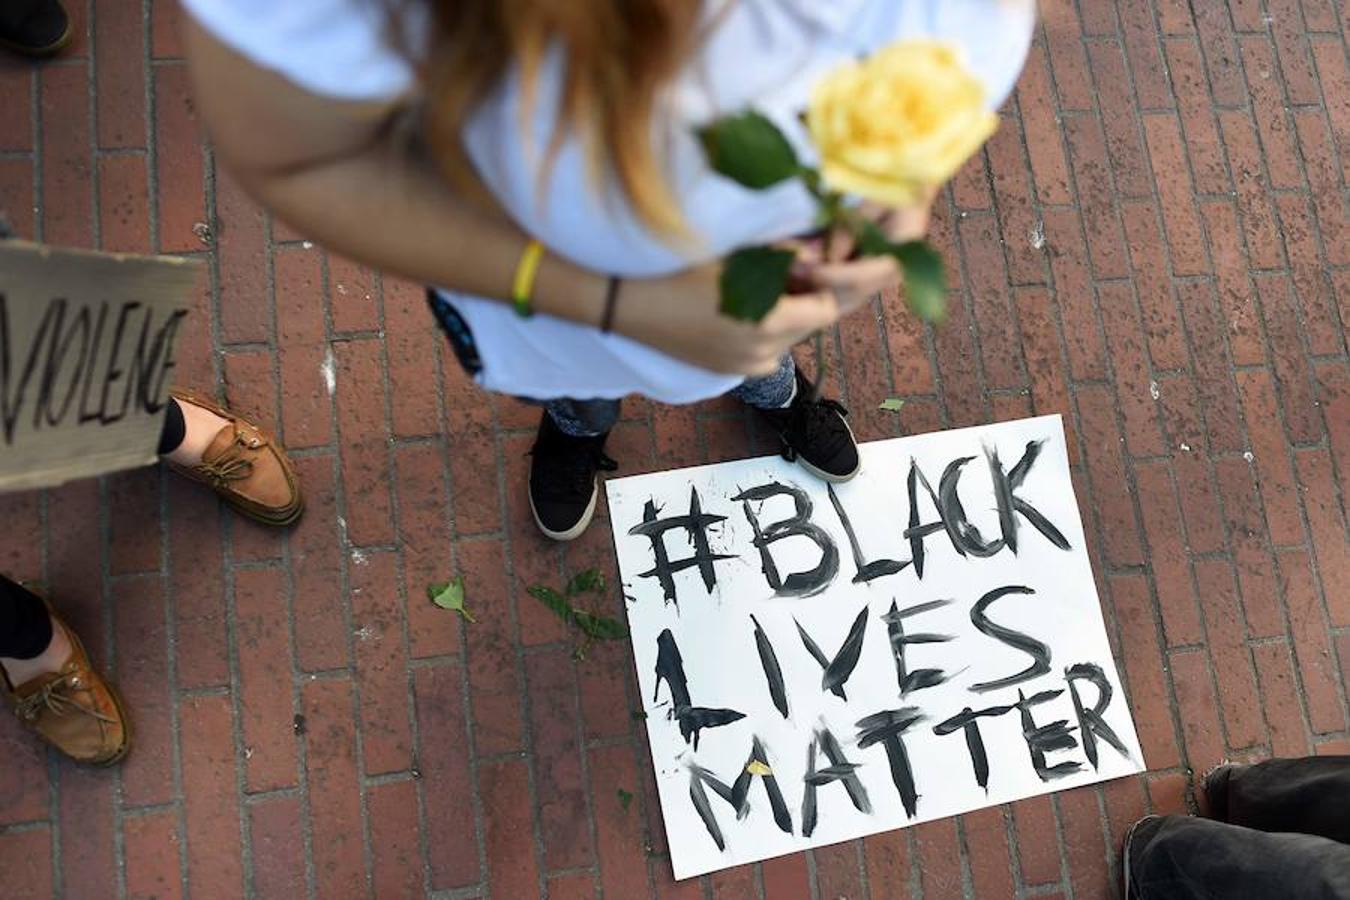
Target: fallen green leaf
x=599 y=627
x=749 y=149
x=625 y=799
x=589 y=581
x=891 y=404
x=450 y=595
x=593 y=626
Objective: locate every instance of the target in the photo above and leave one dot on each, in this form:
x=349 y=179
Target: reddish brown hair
x=619 y=54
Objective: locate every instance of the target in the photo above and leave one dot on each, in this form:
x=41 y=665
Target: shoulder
x=334 y=48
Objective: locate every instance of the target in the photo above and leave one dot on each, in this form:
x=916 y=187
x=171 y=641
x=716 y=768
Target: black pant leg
x=1308 y=796
x=1184 y=858
x=25 y=627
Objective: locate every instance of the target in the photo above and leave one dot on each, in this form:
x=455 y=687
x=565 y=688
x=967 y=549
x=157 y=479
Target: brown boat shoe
x=247 y=467
x=75 y=710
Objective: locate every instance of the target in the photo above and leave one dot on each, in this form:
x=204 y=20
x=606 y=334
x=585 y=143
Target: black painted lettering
x=737 y=795
x=799 y=524
x=85 y=413
x=838 y=669
x=867 y=571
x=888 y=728
x=1043 y=739
x=1091 y=723
x=696 y=524
x=968 y=721
x=692 y=719
x=1010 y=505
x=839 y=769
x=14 y=389
x=1039 y=652
x=917 y=531
x=112 y=373
x=917 y=679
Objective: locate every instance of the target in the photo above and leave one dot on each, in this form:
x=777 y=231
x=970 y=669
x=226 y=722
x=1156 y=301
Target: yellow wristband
x=522 y=287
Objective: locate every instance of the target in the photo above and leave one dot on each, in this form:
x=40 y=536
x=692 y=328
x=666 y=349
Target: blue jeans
x=588 y=418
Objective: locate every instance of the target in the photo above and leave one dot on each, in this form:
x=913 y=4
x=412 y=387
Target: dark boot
x=34 y=27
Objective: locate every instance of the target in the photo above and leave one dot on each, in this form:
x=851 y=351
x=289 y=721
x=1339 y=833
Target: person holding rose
x=540 y=163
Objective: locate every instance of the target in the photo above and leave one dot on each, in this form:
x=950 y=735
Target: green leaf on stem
x=450 y=595
x=749 y=149
x=589 y=581
x=752 y=281
x=925 y=280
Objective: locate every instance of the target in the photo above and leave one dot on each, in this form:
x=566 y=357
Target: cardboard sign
x=820 y=663
x=87 y=344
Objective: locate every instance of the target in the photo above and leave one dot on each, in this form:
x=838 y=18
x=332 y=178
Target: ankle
x=201 y=428
x=48 y=662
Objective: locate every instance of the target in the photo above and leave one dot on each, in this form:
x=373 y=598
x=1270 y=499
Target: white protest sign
x=818 y=664
x=87 y=344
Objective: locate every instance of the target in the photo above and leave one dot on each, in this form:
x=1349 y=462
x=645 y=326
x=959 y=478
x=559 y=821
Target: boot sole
x=576 y=530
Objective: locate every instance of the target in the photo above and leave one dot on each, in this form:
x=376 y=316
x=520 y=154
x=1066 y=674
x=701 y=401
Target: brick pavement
x=1154 y=245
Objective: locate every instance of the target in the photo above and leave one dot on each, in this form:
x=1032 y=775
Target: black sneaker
x=34 y=27
x=563 y=483
x=814 y=433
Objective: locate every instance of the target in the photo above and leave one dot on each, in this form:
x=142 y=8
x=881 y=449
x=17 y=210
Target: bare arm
x=334 y=170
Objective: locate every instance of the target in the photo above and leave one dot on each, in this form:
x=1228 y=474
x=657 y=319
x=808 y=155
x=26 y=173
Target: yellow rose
x=905 y=119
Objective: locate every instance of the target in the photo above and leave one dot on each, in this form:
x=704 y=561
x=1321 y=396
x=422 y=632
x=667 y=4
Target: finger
x=842 y=245
x=868 y=273
x=798 y=315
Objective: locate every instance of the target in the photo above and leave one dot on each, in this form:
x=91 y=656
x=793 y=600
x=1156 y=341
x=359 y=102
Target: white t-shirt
x=763 y=54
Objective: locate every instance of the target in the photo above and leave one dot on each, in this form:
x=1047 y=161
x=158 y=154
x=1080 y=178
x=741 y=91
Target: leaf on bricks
x=891 y=404
x=450 y=595
x=625 y=799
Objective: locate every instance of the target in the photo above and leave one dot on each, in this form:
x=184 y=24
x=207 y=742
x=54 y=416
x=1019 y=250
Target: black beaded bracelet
x=611 y=301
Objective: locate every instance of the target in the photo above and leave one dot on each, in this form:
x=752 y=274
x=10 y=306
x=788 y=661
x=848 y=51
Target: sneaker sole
x=830 y=477
x=1126 y=875
x=51 y=49
x=576 y=530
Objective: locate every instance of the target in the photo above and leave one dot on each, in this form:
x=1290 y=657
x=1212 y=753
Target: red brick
x=1214 y=380
x=210 y=802
x=266 y=711
x=316 y=606
x=580 y=886
x=1251 y=553
x=166 y=19
x=1067 y=60
x=1096 y=198
x=1333 y=383
x=738 y=881
x=443 y=744
x=1296 y=67
x=1110 y=488
x=474 y=476
x=559 y=787
x=150 y=843
x=141 y=632
x=991 y=302
x=1185 y=238
x=1167 y=554
x=1120 y=119
x=364 y=449
x=1167 y=794
x=67 y=161
x=28 y=864
x=787 y=876
x=1236 y=298
x=959 y=366
x=907 y=346
x=970 y=185
x=307 y=371
x=124 y=215
x=424 y=536
x=119 y=74
x=618 y=829
x=1335 y=88
x=987 y=850
x=1280 y=693
x=1099 y=20
x=180 y=197
x=1009 y=173
x=667 y=888
x=1007 y=407
x=1326 y=521
x=837 y=870
x=196 y=584
x=938 y=857
x=1221 y=55
x=1145 y=668
x=412 y=337
x=1332 y=748
x=1268 y=107
x=134 y=541
x=1253 y=198
x=1319 y=155
x=381 y=662
x=397 y=861
x=1126 y=802
x=334 y=786
x=195 y=356
x=1312 y=284
x=1192 y=681
x=1197 y=118
x=1034 y=100
x=1034 y=820
x=24 y=789
x=1225 y=633
x=494 y=685
x=1174 y=17
x=1293 y=374
x=1312 y=646
x=85 y=800
x=16 y=195
x=1162 y=321
x=1084 y=848
x=1247 y=15
x=887 y=860
x=1149 y=69
x=274 y=825
x=1127 y=346
x=866 y=374
x=505 y=789
x=1272 y=462
x=240 y=240
x=352 y=296
x=16 y=106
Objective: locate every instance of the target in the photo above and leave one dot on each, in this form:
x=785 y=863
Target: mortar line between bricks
x=25 y=827
x=255 y=798
x=963 y=858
